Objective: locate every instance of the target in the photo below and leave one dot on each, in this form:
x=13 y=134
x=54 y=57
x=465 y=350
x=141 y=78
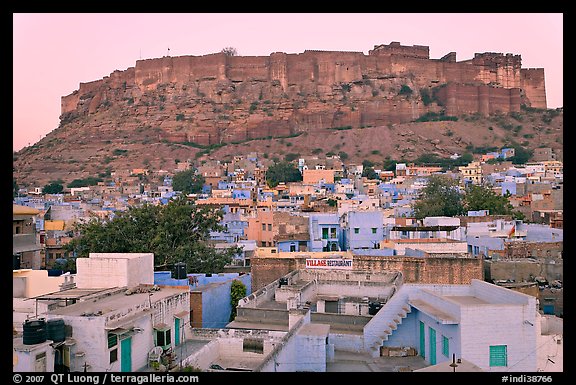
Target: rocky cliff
x=215 y=100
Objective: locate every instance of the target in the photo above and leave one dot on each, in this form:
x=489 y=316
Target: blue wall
x=216 y=306
x=365 y=221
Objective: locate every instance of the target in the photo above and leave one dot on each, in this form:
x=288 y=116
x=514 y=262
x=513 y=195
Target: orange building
x=317 y=176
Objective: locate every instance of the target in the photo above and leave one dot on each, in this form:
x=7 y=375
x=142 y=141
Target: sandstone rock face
x=172 y=109
x=214 y=99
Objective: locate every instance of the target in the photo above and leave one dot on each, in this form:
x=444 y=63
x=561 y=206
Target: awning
x=161 y=326
x=182 y=314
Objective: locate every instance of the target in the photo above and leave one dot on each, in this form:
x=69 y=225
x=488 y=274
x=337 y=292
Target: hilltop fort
x=218 y=98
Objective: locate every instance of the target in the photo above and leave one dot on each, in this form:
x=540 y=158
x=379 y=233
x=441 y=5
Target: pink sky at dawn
x=53 y=53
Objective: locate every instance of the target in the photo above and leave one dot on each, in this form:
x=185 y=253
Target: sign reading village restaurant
x=324 y=263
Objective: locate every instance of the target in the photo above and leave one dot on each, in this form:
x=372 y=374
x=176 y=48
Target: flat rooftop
x=116 y=302
x=466 y=299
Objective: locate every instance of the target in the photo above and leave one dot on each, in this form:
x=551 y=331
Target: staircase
x=383 y=324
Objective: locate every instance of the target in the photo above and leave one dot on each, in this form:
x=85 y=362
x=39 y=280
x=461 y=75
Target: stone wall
x=312 y=90
x=442 y=270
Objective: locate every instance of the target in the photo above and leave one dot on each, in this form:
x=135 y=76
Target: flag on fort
x=512 y=231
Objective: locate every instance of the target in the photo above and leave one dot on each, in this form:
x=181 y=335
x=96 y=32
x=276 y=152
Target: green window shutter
x=498 y=355
x=324 y=233
x=445 y=347
x=112 y=340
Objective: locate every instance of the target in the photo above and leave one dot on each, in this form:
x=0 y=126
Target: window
x=445 y=346
x=373 y=230
x=113 y=343
x=163 y=337
x=324 y=233
x=269 y=226
x=112 y=340
x=263 y=226
x=113 y=355
x=332 y=232
x=356 y=230
x=498 y=355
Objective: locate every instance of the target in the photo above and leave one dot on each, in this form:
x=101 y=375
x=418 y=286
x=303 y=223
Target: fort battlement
x=207 y=87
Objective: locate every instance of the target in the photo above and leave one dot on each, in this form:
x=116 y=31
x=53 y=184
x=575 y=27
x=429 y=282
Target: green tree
x=52 y=188
x=188 y=182
x=175 y=232
x=89 y=181
x=229 y=51
x=440 y=197
x=521 y=154
x=389 y=165
x=466 y=158
x=237 y=292
x=282 y=172
x=484 y=198
x=369 y=173
x=15 y=188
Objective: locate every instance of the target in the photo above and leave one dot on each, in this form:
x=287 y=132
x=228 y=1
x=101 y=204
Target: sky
x=53 y=53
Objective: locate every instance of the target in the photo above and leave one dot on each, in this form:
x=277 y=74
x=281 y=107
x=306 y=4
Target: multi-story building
x=25 y=239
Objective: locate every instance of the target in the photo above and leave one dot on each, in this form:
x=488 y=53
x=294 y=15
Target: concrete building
x=28 y=284
x=325 y=232
x=25 y=239
x=209 y=295
x=376 y=313
x=114 y=317
x=363 y=229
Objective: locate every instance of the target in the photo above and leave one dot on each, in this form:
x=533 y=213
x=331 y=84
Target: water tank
x=55 y=330
x=34 y=331
x=180 y=270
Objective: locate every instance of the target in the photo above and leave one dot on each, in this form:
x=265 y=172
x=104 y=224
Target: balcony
x=25 y=242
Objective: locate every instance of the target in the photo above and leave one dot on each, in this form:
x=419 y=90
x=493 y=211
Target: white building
x=125 y=317
x=492 y=327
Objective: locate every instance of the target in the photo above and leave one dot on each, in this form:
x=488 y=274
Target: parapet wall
x=322 y=68
x=440 y=270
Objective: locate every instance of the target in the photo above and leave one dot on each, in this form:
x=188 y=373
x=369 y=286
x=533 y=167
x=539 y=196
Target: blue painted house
x=325 y=232
x=209 y=295
x=363 y=229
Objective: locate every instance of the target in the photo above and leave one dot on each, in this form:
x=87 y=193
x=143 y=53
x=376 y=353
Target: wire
x=533 y=351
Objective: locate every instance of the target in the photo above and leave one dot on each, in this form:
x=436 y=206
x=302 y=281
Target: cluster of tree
x=282 y=172
x=237 y=292
x=188 y=182
x=175 y=232
x=443 y=197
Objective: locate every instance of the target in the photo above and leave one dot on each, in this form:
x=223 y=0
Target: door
x=126 y=355
x=422 y=340
x=177 y=331
x=432 y=333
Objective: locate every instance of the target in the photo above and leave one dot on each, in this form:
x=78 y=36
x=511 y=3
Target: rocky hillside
x=71 y=152
x=395 y=102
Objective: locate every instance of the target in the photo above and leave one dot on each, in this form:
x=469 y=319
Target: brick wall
x=196 y=309
x=439 y=270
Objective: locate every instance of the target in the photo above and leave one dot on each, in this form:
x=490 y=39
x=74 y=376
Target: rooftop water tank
x=34 y=331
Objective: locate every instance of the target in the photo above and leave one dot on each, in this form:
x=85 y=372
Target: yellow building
x=472 y=172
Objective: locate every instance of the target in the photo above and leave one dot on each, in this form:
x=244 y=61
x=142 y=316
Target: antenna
x=168 y=51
